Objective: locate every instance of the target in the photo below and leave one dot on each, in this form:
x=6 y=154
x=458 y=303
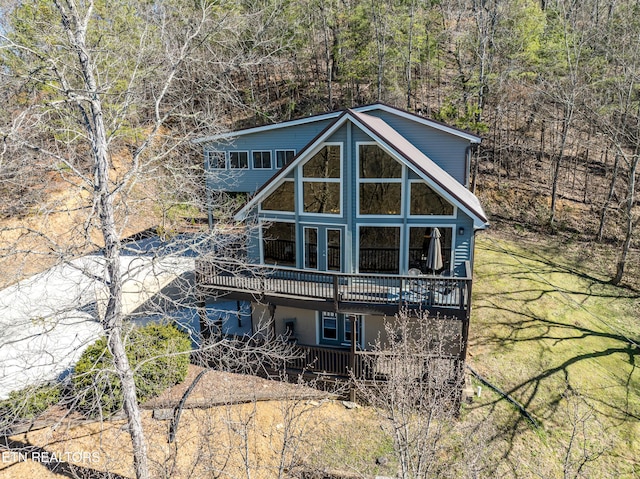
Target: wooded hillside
x=552 y=85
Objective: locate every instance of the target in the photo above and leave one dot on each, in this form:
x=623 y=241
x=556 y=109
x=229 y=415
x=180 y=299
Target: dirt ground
x=252 y=428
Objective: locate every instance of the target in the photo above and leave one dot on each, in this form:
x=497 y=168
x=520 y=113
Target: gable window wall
x=322 y=182
x=379 y=182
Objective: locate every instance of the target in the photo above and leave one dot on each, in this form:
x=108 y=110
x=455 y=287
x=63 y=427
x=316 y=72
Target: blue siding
x=349 y=135
x=249 y=180
x=447 y=151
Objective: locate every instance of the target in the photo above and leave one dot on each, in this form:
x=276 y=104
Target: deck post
x=352 y=358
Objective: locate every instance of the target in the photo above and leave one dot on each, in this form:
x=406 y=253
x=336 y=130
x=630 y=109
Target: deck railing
x=427 y=291
x=370 y=365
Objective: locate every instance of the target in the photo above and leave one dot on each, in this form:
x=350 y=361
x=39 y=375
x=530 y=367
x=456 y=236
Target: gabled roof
x=328 y=116
x=397 y=146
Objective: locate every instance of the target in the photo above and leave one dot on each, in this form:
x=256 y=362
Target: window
x=420 y=238
x=380 y=198
x=262 y=159
x=335 y=329
x=379 y=249
x=380 y=182
x=329 y=326
x=279 y=243
x=321 y=182
x=283 y=157
x=321 y=197
x=216 y=159
x=282 y=199
x=425 y=201
x=374 y=162
x=238 y=159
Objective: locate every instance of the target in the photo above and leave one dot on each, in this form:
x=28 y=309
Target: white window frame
x=253 y=165
x=231 y=167
x=430 y=217
x=402 y=181
x=331 y=315
x=295 y=202
x=283 y=151
x=302 y=180
x=209 y=154
x=304 y=244
x=360 y=326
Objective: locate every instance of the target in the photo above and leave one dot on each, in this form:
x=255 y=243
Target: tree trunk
x=75 y=26
x=630 y=224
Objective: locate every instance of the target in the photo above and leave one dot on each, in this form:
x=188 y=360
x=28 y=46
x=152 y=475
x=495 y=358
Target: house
x=360 y=213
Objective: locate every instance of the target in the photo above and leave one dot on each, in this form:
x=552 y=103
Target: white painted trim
x=423 y=121
x=304 y=244
x=322 y=313
x=253 y=167
x=454 y=232
x=273 y=126
x=208 y=154
x=239 y=151
x=275 y=155
x=398 y=225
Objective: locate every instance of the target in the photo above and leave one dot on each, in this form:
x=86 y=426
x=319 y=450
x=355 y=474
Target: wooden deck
x=369 y=365
x=340 y=292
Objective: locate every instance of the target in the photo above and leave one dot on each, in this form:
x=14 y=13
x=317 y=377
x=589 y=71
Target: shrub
x=158 y=354
x=29 y=402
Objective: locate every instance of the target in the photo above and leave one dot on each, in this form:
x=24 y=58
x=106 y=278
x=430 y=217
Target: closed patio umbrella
x=434 y=255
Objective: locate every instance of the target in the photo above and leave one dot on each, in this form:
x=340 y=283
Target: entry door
x=323 y=248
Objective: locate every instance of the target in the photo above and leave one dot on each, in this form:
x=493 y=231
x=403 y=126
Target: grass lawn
x=550 y=331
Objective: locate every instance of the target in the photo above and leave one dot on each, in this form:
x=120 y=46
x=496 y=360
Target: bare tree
x=91 y=85
x=416 y=388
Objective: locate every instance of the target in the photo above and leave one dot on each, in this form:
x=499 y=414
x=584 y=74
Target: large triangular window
x=426 y=202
